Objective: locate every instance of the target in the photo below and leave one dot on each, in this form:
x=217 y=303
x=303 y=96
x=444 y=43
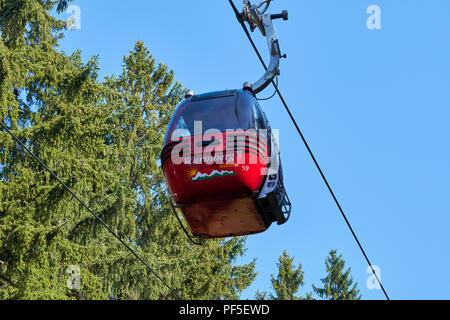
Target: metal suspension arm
x=263 y=22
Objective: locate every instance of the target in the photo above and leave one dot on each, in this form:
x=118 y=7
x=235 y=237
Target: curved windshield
x=220 y=113
x=218 y=110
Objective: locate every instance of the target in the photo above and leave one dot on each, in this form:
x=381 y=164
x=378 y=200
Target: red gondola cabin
x=221 y=163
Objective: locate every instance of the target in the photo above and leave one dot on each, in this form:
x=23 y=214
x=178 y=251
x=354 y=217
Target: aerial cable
x=241 y=21
x=89 y=209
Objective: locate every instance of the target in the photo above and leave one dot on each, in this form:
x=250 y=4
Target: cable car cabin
x=222 y=165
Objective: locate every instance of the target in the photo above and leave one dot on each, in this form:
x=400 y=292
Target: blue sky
x=373 y=104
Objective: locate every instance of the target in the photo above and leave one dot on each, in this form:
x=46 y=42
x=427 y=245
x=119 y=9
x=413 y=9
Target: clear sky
x=373 y=104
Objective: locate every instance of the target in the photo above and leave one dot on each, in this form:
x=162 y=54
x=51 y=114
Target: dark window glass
x=258 y=116
x=218 y=110
x=218 y=113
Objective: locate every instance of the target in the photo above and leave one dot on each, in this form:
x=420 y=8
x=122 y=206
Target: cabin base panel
x=225 y=218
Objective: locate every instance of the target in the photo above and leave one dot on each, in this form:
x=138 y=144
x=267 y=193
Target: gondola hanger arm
x=257 y=18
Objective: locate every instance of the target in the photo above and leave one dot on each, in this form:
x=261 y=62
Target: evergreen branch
x=8 y=281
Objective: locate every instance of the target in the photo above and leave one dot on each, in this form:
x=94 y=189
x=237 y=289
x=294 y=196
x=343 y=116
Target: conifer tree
x=103 y=140
x=148 y=97
x=338 y=284
x=46 y=97
x=287 y=282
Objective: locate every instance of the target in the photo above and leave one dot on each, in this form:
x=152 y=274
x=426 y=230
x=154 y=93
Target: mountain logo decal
x=214 y=174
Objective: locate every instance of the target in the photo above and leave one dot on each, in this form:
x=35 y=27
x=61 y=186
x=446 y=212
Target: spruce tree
x=103 y=139
x=287 y=282
x=147 y=98
x=46 y=97
x=338 y=284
